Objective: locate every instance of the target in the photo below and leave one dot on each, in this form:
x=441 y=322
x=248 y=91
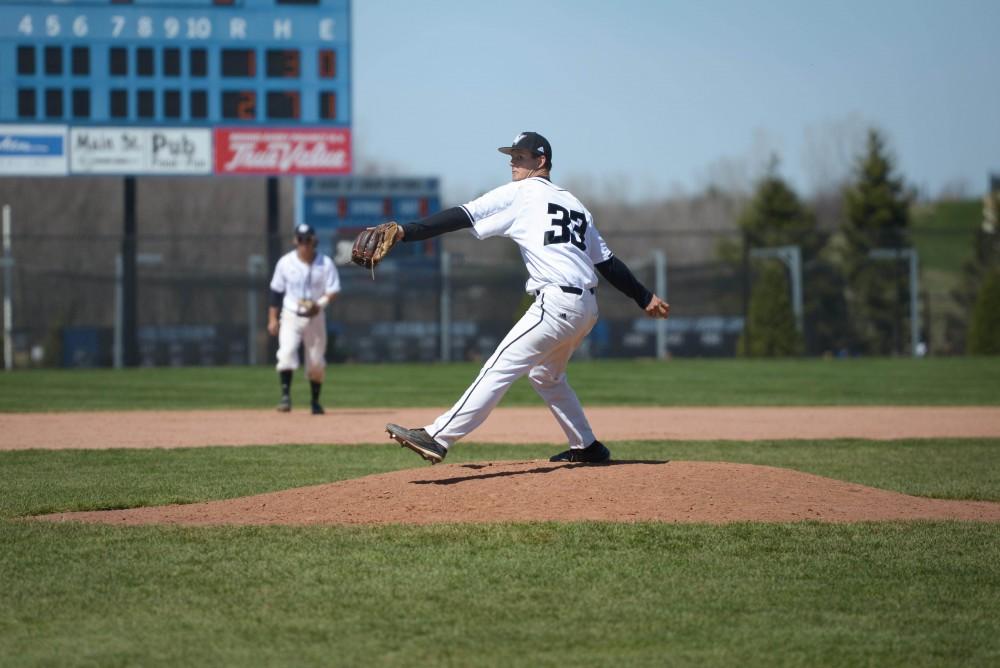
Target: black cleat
x=317 y=409
x=595 y=453
x=285 y=405
x=419 y=441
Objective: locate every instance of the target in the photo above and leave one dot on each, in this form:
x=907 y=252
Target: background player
x=304 y=283
x=561 y=248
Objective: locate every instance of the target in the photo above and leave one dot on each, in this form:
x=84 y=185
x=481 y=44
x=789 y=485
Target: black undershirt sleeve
x=277 y=298
x=439 y=223
x=619 y=275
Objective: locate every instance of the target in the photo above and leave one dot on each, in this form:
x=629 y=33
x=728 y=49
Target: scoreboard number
x=239 y=105
x=327 y=63
x=239 y=63
x=283 y=105
x=283 y=63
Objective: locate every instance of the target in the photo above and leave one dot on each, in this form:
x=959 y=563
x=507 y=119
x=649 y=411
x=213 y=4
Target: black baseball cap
x=304 y=231
x=534 y=142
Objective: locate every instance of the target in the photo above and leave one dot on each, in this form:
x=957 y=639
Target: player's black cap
x=304 y=231
x=534 y=142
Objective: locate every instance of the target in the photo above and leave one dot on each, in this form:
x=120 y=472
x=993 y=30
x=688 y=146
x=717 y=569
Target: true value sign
x=289 y=151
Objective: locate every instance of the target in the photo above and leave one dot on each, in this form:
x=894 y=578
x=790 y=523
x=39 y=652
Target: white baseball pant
x=539 y=345
x=311 y=333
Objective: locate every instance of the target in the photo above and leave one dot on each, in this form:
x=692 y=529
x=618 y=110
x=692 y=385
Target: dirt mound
x=713 y=492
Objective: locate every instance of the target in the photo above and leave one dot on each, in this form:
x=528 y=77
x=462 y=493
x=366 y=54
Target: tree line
x=856 y=287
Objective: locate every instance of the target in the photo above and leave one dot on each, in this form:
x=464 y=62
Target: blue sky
x=648 y=98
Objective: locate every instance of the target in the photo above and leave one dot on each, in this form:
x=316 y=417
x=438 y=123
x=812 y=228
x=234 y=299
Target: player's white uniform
x=299 y=280
x=560 y=246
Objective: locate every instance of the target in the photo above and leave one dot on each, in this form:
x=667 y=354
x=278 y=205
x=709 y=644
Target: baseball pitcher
x=563 y=253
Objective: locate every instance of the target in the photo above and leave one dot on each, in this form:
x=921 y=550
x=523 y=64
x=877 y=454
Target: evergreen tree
x=777 y=217
x=984 y=261
x=984 y=332
x=771 y=322
x=877 y=210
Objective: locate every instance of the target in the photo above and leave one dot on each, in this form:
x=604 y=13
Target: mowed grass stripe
x=922 y=594
x=684 y=382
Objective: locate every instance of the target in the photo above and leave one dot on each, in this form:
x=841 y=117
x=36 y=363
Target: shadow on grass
x=534 y=471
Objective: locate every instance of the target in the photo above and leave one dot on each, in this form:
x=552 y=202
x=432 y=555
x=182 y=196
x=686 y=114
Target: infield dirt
x=668 y=491
x=175 y=429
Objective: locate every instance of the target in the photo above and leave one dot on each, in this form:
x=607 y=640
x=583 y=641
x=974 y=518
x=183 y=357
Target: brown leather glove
x=373 y=244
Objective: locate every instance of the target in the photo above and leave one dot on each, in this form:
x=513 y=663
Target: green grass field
x=502 y=595
x=943 y=232
x=531 y=594
x=723 y=382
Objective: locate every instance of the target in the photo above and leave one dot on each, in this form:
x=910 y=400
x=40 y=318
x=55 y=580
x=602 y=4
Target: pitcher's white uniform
x=560 y=246
x=561 y=249
x=298 y=280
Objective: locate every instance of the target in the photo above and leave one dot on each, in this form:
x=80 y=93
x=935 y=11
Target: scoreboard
x=175 y=86
x=339 y=207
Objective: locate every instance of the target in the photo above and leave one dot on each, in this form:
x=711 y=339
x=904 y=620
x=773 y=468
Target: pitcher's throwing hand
x=657 y=308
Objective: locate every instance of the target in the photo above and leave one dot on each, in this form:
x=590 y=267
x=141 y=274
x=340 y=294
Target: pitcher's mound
x=526 y=491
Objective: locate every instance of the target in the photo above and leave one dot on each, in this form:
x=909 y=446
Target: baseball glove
x=307 y=308
x=373 y=244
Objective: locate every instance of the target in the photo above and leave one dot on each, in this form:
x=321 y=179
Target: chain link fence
x=202 y=299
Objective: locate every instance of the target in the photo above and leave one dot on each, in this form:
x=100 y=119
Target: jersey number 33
x=572 y=227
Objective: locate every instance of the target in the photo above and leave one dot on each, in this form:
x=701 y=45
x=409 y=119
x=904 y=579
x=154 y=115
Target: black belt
x=570 y=289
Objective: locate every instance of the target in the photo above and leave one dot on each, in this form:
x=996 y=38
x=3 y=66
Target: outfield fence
x=202 y=300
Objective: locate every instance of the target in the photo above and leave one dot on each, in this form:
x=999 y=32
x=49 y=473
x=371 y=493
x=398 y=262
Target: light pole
x=255 y=267
x=660 y=268
x=8 y=310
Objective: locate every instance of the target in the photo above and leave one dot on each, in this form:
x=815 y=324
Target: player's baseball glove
x=308 y=308
x=373 y=244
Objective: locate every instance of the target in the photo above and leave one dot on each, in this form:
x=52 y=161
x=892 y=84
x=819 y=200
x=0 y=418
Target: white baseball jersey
x=556 y=234
x=299 y=280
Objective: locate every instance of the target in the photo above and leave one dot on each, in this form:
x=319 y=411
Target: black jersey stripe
x=485 y=371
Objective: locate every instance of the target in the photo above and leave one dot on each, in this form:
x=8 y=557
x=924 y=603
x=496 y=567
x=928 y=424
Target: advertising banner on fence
x=141 y=151
x=33 y=150
x=278 y=152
